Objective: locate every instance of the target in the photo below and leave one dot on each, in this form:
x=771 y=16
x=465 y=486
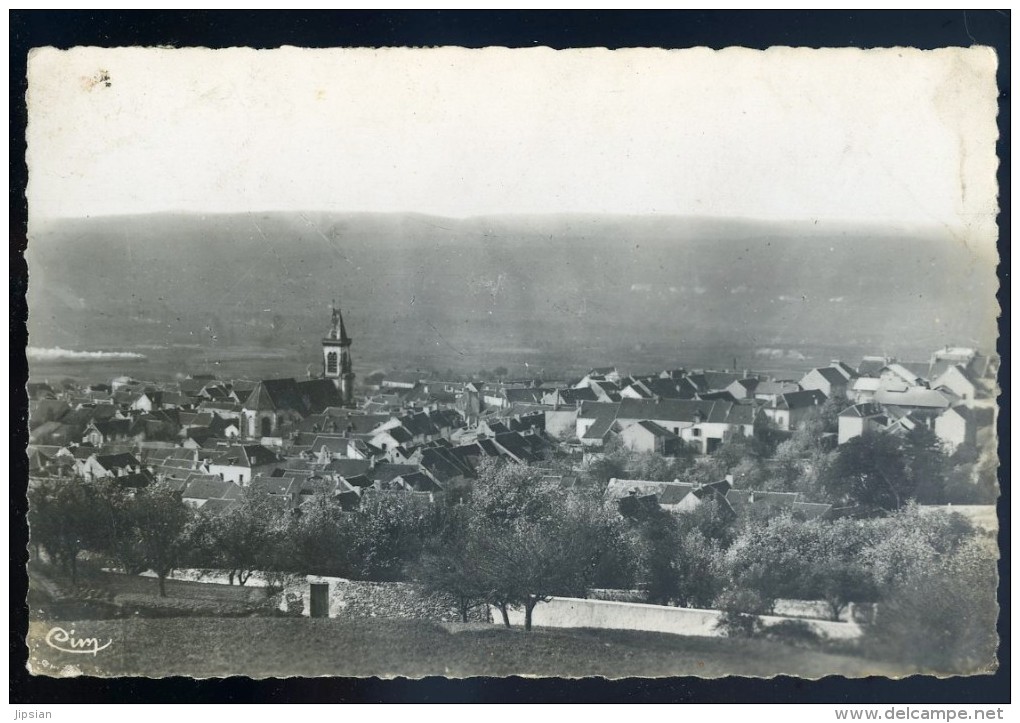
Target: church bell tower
x=336 y=357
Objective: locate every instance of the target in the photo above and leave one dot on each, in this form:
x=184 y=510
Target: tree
x=837 y=571
x=713 y=519
x=940 y=613
x=530 y=536
x=65 y=519
x=120 y=542
x=766 y=437
x=752 y=474
x=869 y=471
x=245 y=538
x=680 y=564
x=614 y=462
x=611 y=559
x=767 y=559
x=160 y=518
x=736 y=449
x=320 y=540
x=911 y=538
x=824 y=418
x=528 y=561
x=926 y=464
x=815 y=560
x=654 y=466
x=450 y=564
x=386 y=534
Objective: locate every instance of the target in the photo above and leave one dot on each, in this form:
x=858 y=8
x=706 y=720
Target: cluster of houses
x=953 y=394
x=411 y=434
x=637 y=498
x=211 y=439
x=954 y=397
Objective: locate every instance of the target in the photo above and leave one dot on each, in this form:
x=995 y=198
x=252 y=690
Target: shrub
x=733 y=624
x=941 y=614
x=740 y=610
x=792 y=632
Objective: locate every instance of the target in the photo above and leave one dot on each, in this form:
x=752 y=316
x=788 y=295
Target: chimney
x=750 y=499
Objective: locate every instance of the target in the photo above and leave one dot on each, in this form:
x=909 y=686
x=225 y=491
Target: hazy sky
x=899 y=135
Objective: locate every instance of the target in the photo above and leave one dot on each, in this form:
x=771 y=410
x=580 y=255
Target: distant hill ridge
x=267 y=279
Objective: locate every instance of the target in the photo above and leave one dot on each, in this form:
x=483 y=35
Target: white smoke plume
x=58 y=354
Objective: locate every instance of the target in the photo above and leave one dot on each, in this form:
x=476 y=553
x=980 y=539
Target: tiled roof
x=247 y=455
x=532 y=396
x=259 y=400
x=671 y=388
x=656 y=429
x=348 y=467
x=867 y=409
x=444 y=465
x=219 y=506
x=334 y=445
x=801 y=400
x=271 y=485
x=400 y=434
x=913 y=397
x=516 y=446
x=204 y=487
x=677 y=410
x=872 y=366
x=742 y=500
x=136 y=480
x=866 y=384
x=318 y=394
x=599 y=429
x=386 y=472
x=113 y=426
x=902 y=372
x=359 y=480
x=673 y=494
x=810 y=510
x=717 y=381
x=573 y=396
x=830 y=374
x=420 y=482
x=618 y=488
x=419 y=423
x=117 y=461
x=598 y=410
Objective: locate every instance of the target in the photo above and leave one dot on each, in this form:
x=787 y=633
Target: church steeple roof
x=337 y=330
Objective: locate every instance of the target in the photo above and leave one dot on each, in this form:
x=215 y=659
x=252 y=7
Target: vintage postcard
x=417 y=362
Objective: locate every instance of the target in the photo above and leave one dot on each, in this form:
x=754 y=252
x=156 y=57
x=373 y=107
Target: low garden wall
x=564 y=612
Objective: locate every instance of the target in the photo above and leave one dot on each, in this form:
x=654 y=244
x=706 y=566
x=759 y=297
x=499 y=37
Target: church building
x=336 y=358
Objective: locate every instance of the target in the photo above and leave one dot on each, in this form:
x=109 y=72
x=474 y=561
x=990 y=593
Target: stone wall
x=351 y=598
x=359 y=599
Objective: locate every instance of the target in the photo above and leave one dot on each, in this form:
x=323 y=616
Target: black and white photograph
x=436 y=361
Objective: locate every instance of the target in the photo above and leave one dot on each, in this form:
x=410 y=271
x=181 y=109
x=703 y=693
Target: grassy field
x=280 y=647
x=114 y=595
